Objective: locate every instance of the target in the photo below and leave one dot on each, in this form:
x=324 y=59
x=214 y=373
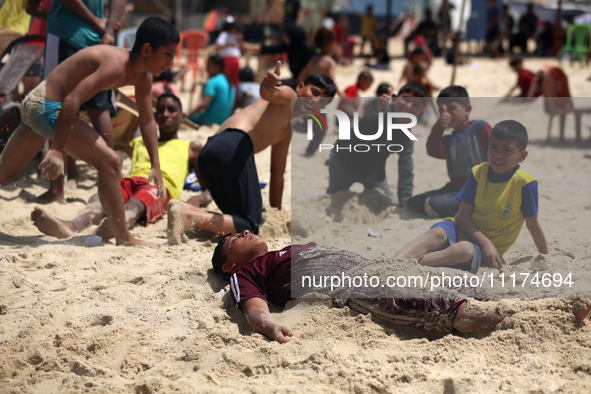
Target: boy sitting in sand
x=346 y=167
x=465 y=147
x=51 y=110
x=323 y=62
x=141 y=201
x=227 y=166
x=494 y=202
x=258 y=277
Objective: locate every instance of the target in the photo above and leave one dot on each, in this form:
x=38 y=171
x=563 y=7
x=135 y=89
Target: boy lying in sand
x=51 y=111
x=226 y=162
x=257 y=277
x=140 y=198
x=494 y=202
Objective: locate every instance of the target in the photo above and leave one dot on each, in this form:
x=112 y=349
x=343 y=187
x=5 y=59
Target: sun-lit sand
x=112 y=319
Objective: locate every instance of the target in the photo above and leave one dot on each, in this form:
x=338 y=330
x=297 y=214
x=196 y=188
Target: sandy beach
x=78 y=318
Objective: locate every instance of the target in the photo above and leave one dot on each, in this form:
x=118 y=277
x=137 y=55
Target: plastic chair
x=126 y=38
x=580 y=46
x=192 y=41
x=24 y=52
x=557 y=99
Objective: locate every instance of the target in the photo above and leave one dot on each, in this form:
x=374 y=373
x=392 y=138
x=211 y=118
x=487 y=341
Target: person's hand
x=52 y=165
x=491 y=257
x=444 y=117
x=156 y=176
x=109 y=39
x=567 y=254
x=101 y=25
x=384 y=100
x=272 y=80
x=280 y=334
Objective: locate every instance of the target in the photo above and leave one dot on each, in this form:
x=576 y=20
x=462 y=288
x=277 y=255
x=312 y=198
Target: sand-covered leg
x=477 y=317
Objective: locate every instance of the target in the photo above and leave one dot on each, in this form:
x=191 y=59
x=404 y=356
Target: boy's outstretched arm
x=489 y=251
x=143 y=99
x=534 y=228
x=260 y=320
x=271 y=89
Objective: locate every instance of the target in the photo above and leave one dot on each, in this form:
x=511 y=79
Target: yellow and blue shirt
x=500 y=204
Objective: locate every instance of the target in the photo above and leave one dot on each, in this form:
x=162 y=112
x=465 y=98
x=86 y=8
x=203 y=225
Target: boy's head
x=411 y=99
x=506 y=148
x=364 y=80
x=236 y=250
x=316 y=85
x=155 y=32
x=417 y=55
x=323 y=38
x=246 y=74
x=516 y=63
x=169 y=113
x=383 y=89
x=215 y=65
x=419 y=72
x=454 y=100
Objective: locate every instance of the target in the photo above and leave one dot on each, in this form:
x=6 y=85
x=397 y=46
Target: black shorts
x=227 y=167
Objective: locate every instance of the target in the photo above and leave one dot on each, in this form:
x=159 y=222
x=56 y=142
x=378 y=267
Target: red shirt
x=351 y=95
x=524 y=79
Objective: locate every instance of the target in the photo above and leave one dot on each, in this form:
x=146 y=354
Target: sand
x=112 y=319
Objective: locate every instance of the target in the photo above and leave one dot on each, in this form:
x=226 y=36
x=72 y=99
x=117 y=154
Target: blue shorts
x=453 y=233
x=40 y=114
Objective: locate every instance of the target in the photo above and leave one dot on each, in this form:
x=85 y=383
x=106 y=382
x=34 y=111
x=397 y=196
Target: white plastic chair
x=126 y=37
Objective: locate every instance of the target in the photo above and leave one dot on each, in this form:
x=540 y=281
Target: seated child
x=217 y=98
x=322 y=63
x=248 y=89
x=346 y=167
x=416 y=58
x=494 y=202
x=462 y=149
x=142 y=205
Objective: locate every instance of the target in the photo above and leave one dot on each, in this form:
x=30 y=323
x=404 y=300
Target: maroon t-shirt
x=267 y=277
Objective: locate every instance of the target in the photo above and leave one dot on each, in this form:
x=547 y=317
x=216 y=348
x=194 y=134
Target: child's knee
x=111 y=161
x=437 y=235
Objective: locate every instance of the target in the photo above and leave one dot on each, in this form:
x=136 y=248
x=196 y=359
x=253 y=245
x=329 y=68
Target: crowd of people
x=483 y=161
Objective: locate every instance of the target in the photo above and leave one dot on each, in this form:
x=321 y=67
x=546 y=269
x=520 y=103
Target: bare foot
x=178 y=222
x=583 y=313
x=104 y=230
x=202 y=200
x=48 y=197
x=50 y=225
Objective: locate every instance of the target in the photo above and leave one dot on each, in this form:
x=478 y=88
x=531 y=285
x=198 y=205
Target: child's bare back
x=96 y=68
x=323 y=64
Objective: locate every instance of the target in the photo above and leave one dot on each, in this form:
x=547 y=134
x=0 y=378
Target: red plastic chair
x=191 y=43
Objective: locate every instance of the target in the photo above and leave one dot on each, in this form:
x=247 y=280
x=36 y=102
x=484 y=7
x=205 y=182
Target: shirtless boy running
x=226 y=162
x=51 y=111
